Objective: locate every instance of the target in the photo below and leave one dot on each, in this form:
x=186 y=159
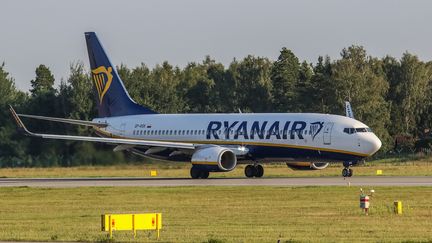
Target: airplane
x=214 y=142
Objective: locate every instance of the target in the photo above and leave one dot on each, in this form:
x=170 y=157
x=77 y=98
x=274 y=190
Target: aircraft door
x=327 y=133
x=123 y=129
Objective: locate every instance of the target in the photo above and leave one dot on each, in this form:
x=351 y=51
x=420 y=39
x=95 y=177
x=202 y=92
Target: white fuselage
x=299 y=135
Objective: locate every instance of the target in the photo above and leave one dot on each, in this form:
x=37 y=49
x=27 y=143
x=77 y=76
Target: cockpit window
x=355 y=130
x=361 y=129
x=349 y=130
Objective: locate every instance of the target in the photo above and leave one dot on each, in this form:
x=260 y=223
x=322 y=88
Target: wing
x=135 y=142
x=70 y=121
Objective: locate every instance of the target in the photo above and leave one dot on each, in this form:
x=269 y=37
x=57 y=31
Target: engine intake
x=215 y=159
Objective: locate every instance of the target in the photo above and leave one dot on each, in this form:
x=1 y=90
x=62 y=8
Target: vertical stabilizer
x=111 y=96
x=348 y=110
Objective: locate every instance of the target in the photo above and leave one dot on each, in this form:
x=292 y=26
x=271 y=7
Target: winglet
x=20 y=124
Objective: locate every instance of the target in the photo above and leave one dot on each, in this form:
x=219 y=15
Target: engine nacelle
x=307 y=165
x=214 y=159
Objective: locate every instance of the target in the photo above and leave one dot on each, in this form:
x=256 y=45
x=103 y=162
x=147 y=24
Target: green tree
x=12 y=150
x=253 y=84
x=165 y=93
x=360 y=79
x=44 y=101
x=44 y=80
x=409 y=93
x=305 y=88
x=285 y=75
x=321 y=89
x=197 y=88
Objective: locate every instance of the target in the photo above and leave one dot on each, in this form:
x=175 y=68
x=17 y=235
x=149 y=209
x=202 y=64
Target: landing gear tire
x=254 y=171
x=195 y=173
x=259 y=171
x=346 y=172
x=204 y=174
x=250 y=171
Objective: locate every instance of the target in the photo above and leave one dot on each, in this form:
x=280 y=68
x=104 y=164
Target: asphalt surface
x=154 y=182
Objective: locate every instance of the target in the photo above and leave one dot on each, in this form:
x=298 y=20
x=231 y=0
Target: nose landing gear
x=254 y=171
x=347 y=171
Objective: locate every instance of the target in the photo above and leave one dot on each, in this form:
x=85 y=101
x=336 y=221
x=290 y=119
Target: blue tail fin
x=111 y=95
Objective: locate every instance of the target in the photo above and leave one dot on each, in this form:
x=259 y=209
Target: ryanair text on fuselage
x=262 y=130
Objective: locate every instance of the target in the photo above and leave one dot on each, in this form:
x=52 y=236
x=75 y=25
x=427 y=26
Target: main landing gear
x=197 y=173
x=254 y=171
x=347 y=171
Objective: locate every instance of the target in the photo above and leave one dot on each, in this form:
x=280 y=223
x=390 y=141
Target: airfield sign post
x=133 y=222
x=364 y=200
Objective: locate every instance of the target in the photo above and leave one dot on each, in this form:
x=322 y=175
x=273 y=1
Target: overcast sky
x=51 y=32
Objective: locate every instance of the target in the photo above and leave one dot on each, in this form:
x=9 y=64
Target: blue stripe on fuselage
x=259 y=152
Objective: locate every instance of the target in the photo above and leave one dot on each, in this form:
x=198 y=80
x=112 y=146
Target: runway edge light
x=133 y=222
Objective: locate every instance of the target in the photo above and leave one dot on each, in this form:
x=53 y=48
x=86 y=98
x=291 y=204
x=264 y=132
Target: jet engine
x=214 y=159
x=307 y=165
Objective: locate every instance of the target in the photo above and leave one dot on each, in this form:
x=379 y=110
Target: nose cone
x=372 y=144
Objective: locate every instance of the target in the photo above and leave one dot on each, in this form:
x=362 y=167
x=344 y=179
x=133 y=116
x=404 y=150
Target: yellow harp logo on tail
x=102 y=77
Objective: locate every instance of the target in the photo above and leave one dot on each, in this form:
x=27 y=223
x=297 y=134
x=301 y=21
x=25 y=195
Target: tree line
x=392 y=96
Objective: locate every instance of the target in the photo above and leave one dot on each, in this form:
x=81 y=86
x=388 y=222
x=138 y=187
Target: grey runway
x=155 y=182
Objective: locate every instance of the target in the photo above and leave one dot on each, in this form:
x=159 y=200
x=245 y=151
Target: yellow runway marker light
x=133 y=222
x=379 y=172
x=153 y=173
